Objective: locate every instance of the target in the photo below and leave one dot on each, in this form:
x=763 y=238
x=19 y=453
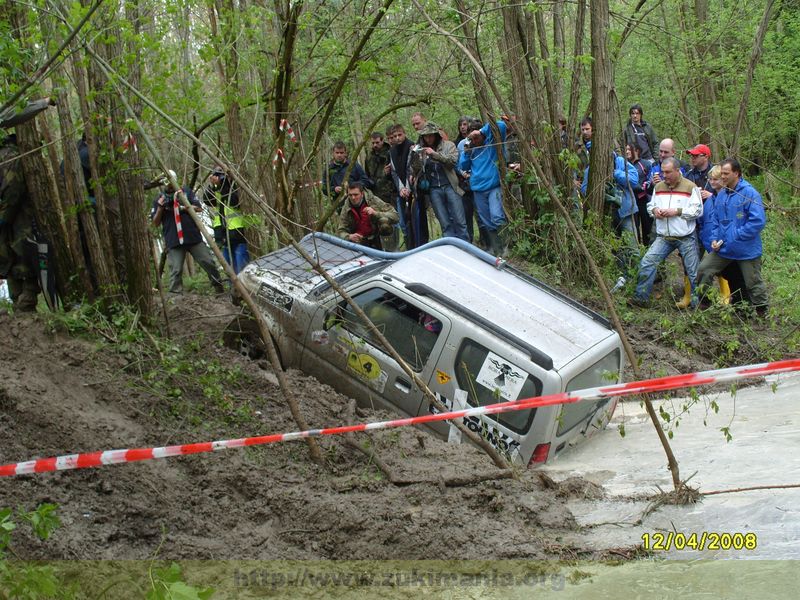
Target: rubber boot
x=493 y=241
x=686 y=301
x=724 y=290
x=26 y=300
x=503 y=239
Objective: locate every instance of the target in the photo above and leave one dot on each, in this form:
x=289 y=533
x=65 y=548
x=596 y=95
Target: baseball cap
x=700 y=149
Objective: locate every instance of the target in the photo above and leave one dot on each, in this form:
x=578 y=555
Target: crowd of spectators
x=658 y=204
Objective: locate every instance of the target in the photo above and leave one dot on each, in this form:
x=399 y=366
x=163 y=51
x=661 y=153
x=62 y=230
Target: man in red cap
x=700 y=157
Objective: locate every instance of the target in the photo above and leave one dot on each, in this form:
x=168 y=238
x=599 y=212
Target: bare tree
x=755 y=56
x=601 y=162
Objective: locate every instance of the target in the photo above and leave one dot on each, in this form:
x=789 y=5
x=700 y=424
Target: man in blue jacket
x=480 y=159
x=736 y=222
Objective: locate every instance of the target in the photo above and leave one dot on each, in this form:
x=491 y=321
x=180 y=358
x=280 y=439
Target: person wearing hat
x=700 y=159
x=365 y=217
x=17 y=223
x=435 y=174
x=181 y=234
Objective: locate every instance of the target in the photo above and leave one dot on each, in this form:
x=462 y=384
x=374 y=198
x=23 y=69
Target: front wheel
x=242 y=335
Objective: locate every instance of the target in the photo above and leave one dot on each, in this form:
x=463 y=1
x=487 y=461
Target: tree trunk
x=755 y=56
x=601 y=163
x=706 y=100
x=796 y=162
x=132 y=203
x=560 y=53
x=226 y=27
x=577 y=71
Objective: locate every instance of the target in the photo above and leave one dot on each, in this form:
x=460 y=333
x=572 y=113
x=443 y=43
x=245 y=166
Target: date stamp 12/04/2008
x=706 y=540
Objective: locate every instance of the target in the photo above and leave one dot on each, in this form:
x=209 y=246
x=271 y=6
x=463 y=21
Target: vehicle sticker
x=368 y=369
x=320 y=337
x=442 y=377
x=275 y=297
x=499 y=374
x=504 y=443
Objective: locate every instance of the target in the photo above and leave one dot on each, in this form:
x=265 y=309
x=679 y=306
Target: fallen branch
x=752 y=488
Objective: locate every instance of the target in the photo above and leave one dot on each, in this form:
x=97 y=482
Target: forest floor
x=63 y=393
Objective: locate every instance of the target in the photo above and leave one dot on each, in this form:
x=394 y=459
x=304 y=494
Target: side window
x=488 y=379
x=409 y=329
x=604 y=372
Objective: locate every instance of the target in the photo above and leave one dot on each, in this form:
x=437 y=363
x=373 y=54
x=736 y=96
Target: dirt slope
x=60 y=395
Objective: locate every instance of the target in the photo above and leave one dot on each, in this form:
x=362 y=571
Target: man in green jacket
x=17 y=221
x=365 y=217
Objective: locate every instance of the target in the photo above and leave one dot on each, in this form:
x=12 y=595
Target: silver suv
x=458 y=318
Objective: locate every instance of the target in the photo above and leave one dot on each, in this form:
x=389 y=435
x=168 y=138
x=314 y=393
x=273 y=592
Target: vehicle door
x=490 y=372
x=344 y=353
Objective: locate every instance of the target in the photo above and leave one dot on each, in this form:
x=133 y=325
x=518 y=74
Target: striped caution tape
x=284 y=126
x=111 y=457
x=278 y=155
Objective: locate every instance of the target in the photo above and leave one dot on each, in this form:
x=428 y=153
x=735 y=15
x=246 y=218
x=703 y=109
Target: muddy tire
x=242 y=335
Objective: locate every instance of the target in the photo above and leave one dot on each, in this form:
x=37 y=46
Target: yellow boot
x=724 y=290
x=686 y=301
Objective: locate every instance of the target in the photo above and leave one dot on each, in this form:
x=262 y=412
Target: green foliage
x=43 y=520
x=167 y=584
x=22 y=580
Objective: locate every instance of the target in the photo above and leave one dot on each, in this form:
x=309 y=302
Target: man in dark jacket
x=365 y=217
x=334 y=183
x=378 y=170
x=181 y=235
x=640 y=133
x=413 y=218
x=700 y=158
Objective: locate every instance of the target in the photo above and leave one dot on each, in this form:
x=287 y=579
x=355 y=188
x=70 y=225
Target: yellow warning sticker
x=442 y=377
x=364 y=364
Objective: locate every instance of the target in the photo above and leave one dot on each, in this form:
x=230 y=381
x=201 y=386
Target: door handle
x=402 y=385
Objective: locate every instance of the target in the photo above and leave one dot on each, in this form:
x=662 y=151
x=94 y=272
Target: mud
x=61 y=395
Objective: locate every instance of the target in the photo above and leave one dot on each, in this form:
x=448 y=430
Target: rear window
x=489 y=378
x=604 y=372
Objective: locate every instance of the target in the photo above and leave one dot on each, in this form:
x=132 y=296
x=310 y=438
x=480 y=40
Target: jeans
x=240 y=256
x=659 y=250
x=449 y=210
x=489 y=204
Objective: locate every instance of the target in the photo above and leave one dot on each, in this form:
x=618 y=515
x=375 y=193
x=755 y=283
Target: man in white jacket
x=675 y=206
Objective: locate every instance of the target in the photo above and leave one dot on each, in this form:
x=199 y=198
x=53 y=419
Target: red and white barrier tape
x=278 y=154
x=284 y=126
x=311 y=184
x=110 y=457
